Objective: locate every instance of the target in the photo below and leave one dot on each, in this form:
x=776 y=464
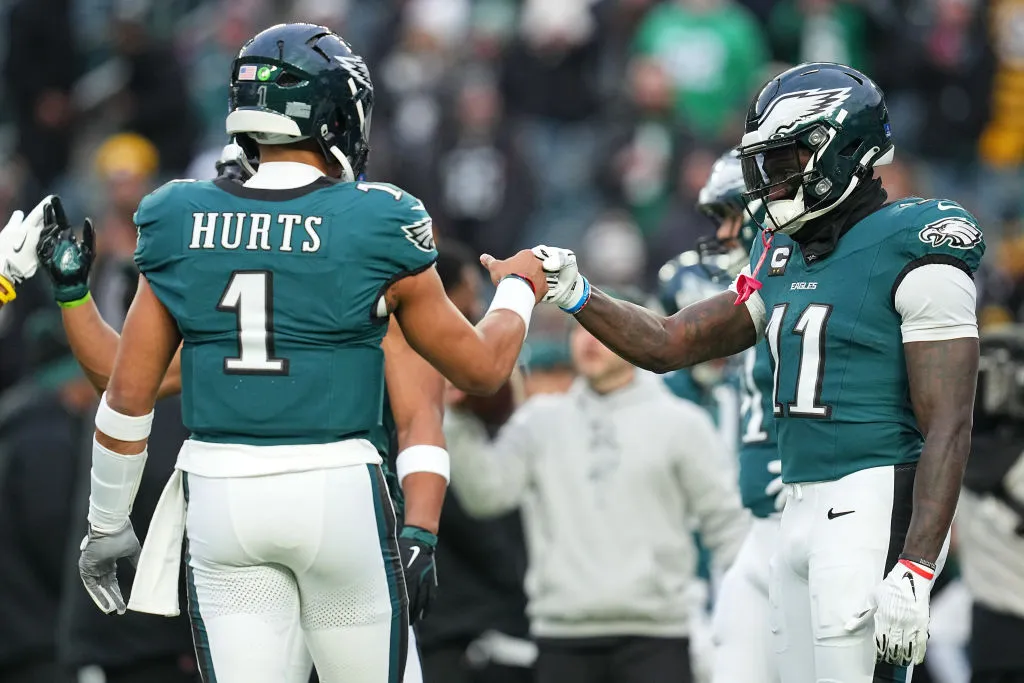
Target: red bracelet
x=918 y=569
x=523 y=278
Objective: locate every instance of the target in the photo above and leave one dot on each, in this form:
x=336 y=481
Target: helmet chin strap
x=347 y=174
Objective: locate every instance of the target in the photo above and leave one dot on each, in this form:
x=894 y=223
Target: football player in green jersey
x=413 y=411
x=868 y=311
x=280 y=291
x=742 y=635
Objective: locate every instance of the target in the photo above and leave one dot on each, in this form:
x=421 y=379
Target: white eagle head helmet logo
x=786 y=112
x=954 y=231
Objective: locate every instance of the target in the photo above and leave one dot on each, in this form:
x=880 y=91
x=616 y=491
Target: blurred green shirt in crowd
x=714 y=51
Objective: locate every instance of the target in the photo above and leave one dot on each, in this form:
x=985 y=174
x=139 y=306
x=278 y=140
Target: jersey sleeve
x=401 y=241
x=158 y=243
x=934 y=292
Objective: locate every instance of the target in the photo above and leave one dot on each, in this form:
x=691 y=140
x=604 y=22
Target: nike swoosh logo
x=945 y=206
x=908 y=575
x=833 y=515
x=412 y=557
x=19 y=247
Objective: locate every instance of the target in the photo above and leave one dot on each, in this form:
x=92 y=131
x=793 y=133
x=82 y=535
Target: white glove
x=98 y=564
x=567 y=289
x=775 y=487
x=899 y=606
x=18 y=241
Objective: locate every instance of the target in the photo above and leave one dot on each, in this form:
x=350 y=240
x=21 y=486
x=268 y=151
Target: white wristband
x=423 y=459
x=114 y=481
x=120 y=426
x=514 y=294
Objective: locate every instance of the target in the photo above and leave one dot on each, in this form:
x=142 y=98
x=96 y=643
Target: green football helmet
x=294 y=82
x=720 y=199
x=833 y=114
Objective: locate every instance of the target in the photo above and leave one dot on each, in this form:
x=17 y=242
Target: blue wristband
x=583 y=300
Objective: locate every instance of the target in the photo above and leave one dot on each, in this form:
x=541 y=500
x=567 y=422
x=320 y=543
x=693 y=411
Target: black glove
x=416 y=548
x=66 y=259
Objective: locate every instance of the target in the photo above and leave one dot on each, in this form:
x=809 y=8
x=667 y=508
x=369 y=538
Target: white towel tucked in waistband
x=155 y=590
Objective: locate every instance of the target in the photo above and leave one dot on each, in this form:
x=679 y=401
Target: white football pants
x=838 y=540
x=743 y=640
x=288 y=566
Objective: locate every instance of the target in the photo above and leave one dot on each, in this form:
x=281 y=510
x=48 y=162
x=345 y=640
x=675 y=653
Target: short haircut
x=452 y=260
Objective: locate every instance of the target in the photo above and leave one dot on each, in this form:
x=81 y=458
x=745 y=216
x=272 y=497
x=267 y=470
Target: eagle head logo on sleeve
x=955 y=231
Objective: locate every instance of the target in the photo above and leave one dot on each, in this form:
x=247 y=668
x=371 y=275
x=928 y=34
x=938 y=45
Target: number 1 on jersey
x=250 y=296
x=811 y=372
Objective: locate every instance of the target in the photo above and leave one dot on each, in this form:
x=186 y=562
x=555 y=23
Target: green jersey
x=757 y=437
x=278 y=297
x=841 y=397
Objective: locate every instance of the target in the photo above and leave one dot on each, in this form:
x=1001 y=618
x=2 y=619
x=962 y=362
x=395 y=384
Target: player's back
x=276 y=293
x=834 y=330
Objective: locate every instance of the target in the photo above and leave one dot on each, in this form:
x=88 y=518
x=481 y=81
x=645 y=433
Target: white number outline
x=366 y=187
x=249 y=295
x=751 y=410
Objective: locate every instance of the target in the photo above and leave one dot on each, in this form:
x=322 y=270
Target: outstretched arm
x=94 y=344
x=477 y=359
x=713 y=328
x=942 y=376
x=416 y=394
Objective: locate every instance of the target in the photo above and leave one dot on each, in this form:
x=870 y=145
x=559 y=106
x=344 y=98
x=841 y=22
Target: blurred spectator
x=713 y=50
x=819 y=31
x=548 y=366
x=552 y=90
x=937 y=71
x=126 y=164
x=682 y=224
x=612 y=249
x=610 y=476
x=640 y=165
x=40 y=67
x=898 y=180
x=485 y=189
x=476 y=626
x=44 y=423
x=155 y=103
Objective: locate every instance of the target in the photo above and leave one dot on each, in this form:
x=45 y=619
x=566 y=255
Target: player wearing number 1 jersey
x=868 y=310
x=280 y=290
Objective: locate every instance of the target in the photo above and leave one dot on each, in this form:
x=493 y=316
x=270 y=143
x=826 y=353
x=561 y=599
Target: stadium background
x=589 y=124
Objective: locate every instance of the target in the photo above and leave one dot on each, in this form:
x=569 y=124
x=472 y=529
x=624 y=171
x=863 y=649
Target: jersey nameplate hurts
x=841 y=396
x=275 y=293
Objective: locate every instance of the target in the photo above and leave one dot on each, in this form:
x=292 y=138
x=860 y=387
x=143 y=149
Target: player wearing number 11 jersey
x=280 y=290
x=868 y=311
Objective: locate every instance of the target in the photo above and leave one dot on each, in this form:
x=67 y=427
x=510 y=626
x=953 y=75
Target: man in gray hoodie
x=612 y=478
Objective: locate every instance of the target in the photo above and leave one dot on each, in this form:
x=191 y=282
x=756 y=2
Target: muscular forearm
x=942 y=375
x=424 y=496
x=712 y=328
x=94 y=345
x=93 y=342
x=940 y=473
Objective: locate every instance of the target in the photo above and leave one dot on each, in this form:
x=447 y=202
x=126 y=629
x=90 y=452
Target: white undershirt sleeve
x=937 y=301
x=755 y=306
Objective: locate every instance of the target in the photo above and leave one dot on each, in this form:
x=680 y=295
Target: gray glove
x=98 y=564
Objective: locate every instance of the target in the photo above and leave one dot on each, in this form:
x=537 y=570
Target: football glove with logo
x=66 y=259
x=567 y=289
x=416 y=547
x=97 y=564
x=899 y=606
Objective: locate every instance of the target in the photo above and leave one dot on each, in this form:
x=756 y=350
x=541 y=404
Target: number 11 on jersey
x=810 y=326
x=250 y=296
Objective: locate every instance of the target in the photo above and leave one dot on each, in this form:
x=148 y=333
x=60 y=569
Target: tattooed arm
x=713 y=328
x=942 y=378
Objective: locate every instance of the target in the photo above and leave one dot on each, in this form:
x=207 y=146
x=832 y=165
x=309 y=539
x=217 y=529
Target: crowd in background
x=588 y=124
